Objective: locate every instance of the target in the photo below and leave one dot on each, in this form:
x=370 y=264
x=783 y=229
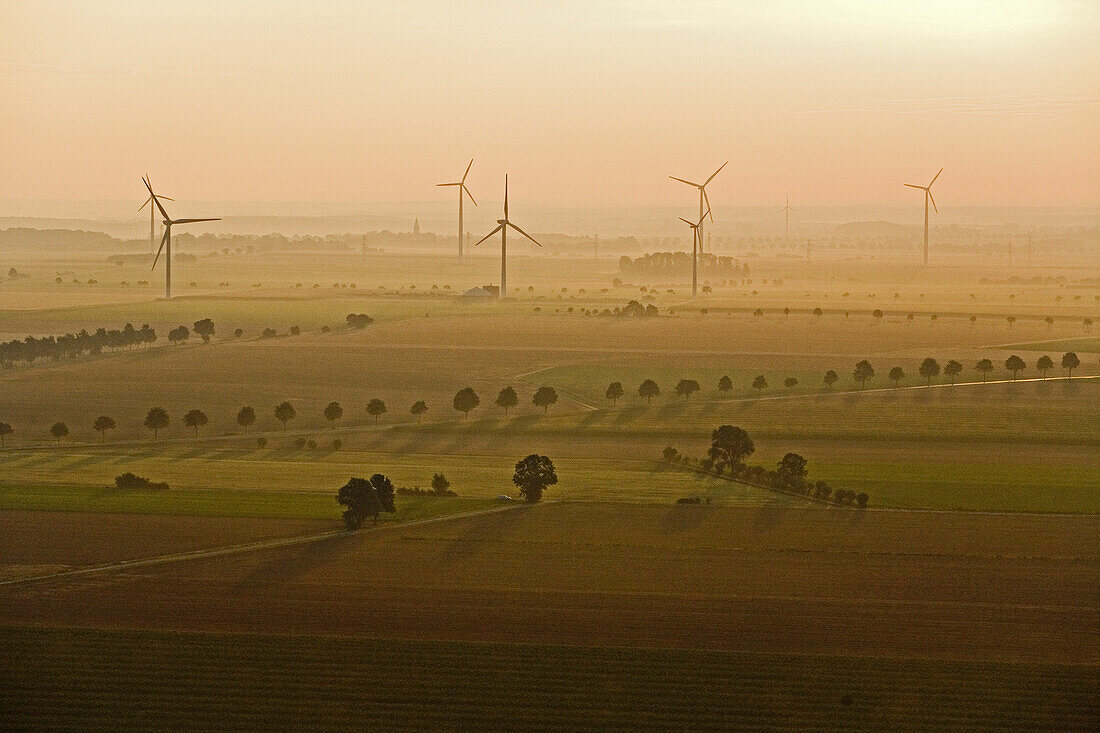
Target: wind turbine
x=927 y=197
x=502 y=227
x=787 y=228
x=167 y=239
x=696 y=242
x=461 y=187
x=703 y=196
x=152 y=212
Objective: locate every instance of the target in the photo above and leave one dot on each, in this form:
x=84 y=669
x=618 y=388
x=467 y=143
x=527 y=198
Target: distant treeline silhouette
x=70 y=345
x=675 y=263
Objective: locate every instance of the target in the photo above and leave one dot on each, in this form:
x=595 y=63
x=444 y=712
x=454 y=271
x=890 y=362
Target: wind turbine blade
x=191 y=221
x=689 y=223
x=506 y=197
x=457 y=183
x=163 y=239
x=913 y=185
x=704 y=216
x=467 y=170
x=155 y=199
x=712 y=175
x=469 y=194
x=147 y=201
x=681 y=180
x=707 y=199
x=934 y=179
x=933 y=200
x=499 y=227
x=523 y=233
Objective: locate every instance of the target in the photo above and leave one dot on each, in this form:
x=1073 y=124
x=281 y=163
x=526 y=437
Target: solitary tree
x=5 y=431
x=790 y=382
x=1014 y=364
x=205 y=329
x=929 y=368
x=333 y=412
x=729 y=446
x=896 y=375
x=984 y=366
x=830 y=379
x=687 y=387
x=419 y=408
x=544 y=397
x=195 y=419
x=1070 y=362
x=614 y=392
x=246 y=417
x=507 y=399
x=792 y=469
x=533 y=475
x=818 y=312
x=863 y=372
x=725 y=384
x=59 y=430
x=465 y=400
x=951 y=370
x=759 y=383
x=376 y=408
x=102 y=424
x=440 y=484
x=877 y=314
x=285 y=412
x=156 y=420
x=648 y=389
x=1044 y=365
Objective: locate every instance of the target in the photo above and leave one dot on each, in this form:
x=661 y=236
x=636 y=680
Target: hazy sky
x=582 y=102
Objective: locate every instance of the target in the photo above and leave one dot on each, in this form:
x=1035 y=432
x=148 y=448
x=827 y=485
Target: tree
x=440 y=484
x=544 y=397
x=246 y=417
x=759 y=383
x=465 y=400
x=985 y=366
x=205 y=329
x=687 y=387
x=614 y=392
x=195 y=419
x=179 y=335
x=648 y=389
x=863 y=372
x=59 y=430
x=929 y=368
x=790 y=382
x=1070 y=362
x=877 y=314
x=285 y=412
x=333 y=412
x=830 y=379
x=725 y=384
x=818 y=312
x=102 y=424
x=365 y=498
x=156 y=420
x=1044 y=365
x=376 y=408
x=507 y=399
x=792 y=469
x=419 y=408
x=1014 y=364
x=896 y=375
x=5 y=431
x=533 y=475
x=952 y=370
x=729 y=446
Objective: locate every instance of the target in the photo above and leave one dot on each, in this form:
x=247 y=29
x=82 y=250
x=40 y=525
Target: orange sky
x=582 y=102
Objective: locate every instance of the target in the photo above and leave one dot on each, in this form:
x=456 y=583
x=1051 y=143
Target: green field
x=106 y=680
x=1081 y=345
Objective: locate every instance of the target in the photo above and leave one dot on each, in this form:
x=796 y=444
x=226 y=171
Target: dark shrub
x=300 y=443
x=337 y=444
x=261 y=442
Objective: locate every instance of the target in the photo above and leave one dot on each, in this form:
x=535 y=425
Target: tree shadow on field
x=685 y=517
x=1069 y=388
x=522 y=423
x=708 y=409
x=768 y=518
x=298 y=560
x=193 y=453
x=87 y=461
x=491 y=528
x=672 y=410
x=850 y=399
x=591 y=418
x=629 y=414
x=139 y=455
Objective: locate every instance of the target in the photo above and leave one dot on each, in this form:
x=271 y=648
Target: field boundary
x=247 y=547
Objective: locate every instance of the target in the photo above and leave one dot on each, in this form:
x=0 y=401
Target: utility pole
x=596 y=251
x=807 y=250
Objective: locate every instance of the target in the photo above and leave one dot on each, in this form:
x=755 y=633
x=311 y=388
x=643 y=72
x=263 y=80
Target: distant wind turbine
x=696 y=245
x=152 y=213
x=927 y=197
x=461 y=188
x=703 y=198
x=166 y=240
x=502 y=227
x=787 y=228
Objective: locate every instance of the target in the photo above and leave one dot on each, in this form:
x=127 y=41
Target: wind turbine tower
x=502 y=227
x=166 y=240
x=703 y=198
x=927 y=197
x=696 y=236
x=787 y=226
x=461 y=189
